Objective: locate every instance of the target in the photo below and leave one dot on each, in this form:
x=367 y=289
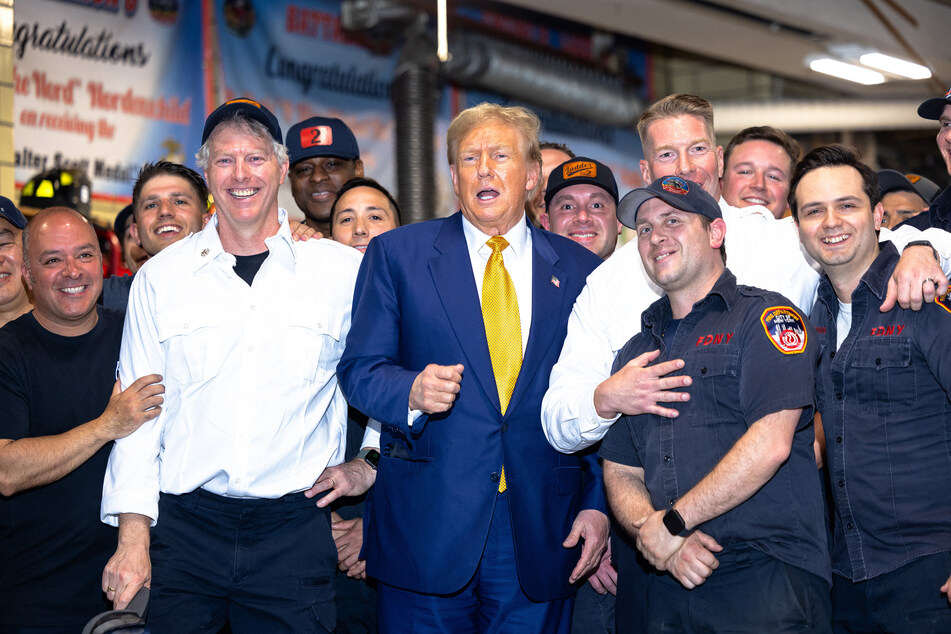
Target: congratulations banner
x=294 y=57
x=105 y=85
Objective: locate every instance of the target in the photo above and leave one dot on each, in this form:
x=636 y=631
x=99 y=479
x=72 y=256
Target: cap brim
x=632 y=201
x=932 y=108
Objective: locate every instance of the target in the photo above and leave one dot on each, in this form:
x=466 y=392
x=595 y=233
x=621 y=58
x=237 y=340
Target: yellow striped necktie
x=503 y=329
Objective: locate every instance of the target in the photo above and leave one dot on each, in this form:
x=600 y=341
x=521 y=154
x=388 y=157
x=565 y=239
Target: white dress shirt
x=252 y=408
x=517 y=258
x=761 y=251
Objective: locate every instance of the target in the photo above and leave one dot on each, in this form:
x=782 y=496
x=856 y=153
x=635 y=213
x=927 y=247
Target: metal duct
x=540 y=79
x=414 y=92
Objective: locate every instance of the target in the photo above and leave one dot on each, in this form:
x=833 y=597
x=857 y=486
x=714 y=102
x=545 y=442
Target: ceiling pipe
x=544 y=80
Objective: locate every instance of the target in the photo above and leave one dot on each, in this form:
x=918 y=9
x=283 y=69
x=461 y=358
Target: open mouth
x=486 y=195
x=73 y=290
x=836 y=239
x=753 y=200
x=242 y=193
x=168 y=230
x=361 y=247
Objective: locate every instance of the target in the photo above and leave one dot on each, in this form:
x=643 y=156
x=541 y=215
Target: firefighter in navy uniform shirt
x=882 y=390
x=726 y=497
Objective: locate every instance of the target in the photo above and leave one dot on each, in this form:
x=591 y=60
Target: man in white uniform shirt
x=221 y=484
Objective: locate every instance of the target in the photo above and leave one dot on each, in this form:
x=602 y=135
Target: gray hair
x=249 y=126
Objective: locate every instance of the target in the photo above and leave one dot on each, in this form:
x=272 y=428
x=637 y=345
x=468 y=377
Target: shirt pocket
x=193 y=340
x=885 y=377
x=716 y=386
x=312 y=343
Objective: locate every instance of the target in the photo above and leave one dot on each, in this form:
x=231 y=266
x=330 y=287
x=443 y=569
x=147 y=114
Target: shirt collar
x=875 y=278
x=724 y=288
x=517 y=237
x=208 y=245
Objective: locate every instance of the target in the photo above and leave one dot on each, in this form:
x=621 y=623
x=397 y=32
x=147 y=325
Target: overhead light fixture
x=895 y=66
x=834 y=67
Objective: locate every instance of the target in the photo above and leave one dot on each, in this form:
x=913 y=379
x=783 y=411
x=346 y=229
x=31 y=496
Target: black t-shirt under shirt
x=247 y=266
x=53 y=547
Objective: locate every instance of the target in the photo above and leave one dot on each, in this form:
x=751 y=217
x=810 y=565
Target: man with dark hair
x=362 y=209
x=904 y=196
x=553 y=155
x=757 y=164
x=257 y=425
x=14 y=299
x=324 y=155
x=57 y=372
x=883 y=384
x=474 y=522
x=169 y=201
x=580 y=204
x=728 y=499
x=133 y=255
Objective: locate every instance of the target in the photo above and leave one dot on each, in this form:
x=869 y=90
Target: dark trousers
x=904 y=600
x=262 y=565
x=492 y=602
x=749 y=592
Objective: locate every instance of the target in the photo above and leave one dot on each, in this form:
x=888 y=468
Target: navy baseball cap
x=892 y=180
x=321 y=136
x=676 y=192
x=9 y=211
x=248 y=108
x=932 y=108
x=578 y=171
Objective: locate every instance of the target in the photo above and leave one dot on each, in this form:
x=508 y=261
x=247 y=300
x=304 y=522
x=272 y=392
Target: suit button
x=703 y=369
x=386 y=450
x=505 y=426
x=850 y=525
x=671 y=502
x=838 y=397
x=494 y=477
x=832 y=355
x=841 y=483
x=666 y=458
x=838 y=440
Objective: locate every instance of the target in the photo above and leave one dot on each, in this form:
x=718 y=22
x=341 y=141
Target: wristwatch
x=924 y=243
x=370 y=456
x=675 y=524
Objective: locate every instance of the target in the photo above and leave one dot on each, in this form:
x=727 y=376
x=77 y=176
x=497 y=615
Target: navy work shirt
x=884 y=402
x=750 y=354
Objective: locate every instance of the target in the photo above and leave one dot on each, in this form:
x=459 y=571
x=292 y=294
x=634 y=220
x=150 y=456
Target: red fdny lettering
x=707 y=340
x=887 y=331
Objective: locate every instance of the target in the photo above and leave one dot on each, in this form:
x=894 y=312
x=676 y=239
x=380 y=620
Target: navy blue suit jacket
x=428 y=514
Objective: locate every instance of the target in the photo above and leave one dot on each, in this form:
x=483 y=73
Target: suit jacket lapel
x=548 y=297
x=452 y=274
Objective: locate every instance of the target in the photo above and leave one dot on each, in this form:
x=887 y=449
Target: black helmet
x=59 y=188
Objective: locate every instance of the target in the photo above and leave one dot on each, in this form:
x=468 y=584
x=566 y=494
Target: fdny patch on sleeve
x=785 y=329
x=944 y=301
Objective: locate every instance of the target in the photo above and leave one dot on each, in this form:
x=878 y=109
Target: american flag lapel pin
x=556 y=281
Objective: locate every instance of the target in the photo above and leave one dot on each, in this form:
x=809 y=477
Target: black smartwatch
x=924 y=243
x=369 y=456
x=675 y=524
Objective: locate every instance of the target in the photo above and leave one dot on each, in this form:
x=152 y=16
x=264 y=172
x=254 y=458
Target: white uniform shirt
x=252 y=408
x=761 y=251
